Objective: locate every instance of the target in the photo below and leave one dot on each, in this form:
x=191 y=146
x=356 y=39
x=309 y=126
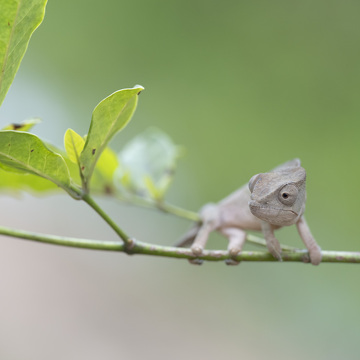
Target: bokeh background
x=243 y=86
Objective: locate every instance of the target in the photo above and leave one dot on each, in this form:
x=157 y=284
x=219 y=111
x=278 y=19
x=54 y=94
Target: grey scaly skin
x=270 y=201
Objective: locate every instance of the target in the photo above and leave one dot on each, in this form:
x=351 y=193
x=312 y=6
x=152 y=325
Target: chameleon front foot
x=272 y=243
x=237 y=239
x=315 y=256
x=309 y=241
x=234 y=251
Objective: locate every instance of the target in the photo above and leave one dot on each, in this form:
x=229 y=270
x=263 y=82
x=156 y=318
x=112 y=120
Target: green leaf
x=103 y=177
x=25 y=125
x=18 y=21
x=107 y=164
x=74 y=145
x=148 y=163
x=16 y=182
x=105 y=167
x=109 y=117
x=27 y=153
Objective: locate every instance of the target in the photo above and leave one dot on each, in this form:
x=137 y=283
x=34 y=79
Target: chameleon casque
x=270 y=201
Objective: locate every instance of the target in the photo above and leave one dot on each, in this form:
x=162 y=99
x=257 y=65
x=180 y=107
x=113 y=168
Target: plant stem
x=163 y=206
x=178 y=211
x=91 y=202
x=180 y=253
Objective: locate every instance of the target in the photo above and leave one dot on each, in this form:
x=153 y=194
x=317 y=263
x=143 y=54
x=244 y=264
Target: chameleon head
x=278 y=197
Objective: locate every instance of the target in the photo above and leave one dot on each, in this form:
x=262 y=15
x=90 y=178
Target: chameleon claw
x=196 y=261
x=276 y=255
x=231 y=262
x=274 y=251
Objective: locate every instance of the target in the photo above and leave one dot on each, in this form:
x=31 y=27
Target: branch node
x=129 y=246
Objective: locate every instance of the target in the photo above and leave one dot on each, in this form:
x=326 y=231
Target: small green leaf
x=74 y=145
x=27 y=153
x=107 y=164
x=25 y=125
x=109 y=117
x=103 y=178
x=148 y=163
x=18 y=21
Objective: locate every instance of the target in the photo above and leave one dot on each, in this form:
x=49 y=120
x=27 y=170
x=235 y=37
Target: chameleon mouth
x=255 y=205
x=273 y=215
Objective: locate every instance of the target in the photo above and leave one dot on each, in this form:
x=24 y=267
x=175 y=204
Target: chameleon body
x=270 y=201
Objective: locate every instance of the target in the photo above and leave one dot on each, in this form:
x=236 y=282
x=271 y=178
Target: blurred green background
x=243 y=86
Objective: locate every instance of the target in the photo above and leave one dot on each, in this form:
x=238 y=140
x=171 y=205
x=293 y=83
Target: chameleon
x=268 y=202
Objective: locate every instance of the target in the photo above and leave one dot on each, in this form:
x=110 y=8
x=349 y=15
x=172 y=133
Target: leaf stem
x=178 y=211
x=179 y=253
x=91 y=202
x=137 y=200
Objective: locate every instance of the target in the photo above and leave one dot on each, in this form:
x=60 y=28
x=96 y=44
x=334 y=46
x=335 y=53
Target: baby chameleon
x=270 y=201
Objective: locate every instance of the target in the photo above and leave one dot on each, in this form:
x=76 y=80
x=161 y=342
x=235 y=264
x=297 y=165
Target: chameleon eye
x=288 y=194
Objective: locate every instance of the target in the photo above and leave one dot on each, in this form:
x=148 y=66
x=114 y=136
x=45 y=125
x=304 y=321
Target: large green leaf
x=25 y=152
x=18 y=21
x=109 y=117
